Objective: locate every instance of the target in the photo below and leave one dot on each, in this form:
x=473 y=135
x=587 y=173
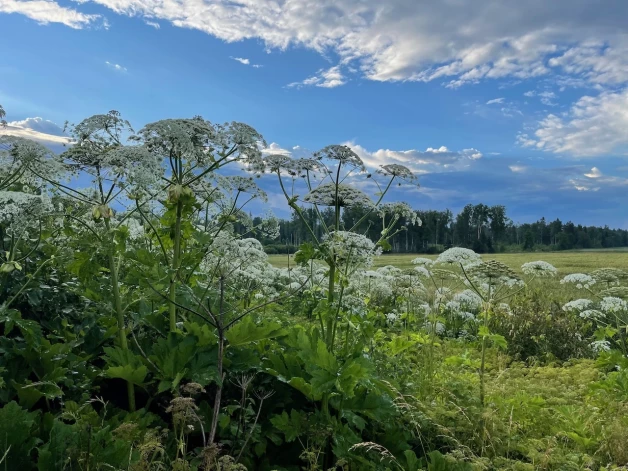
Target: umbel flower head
x=18 y=155
x=458 y=255
x=539 y=268
x=610 y=276
x=344 y=196
x=398 y=171
x=400 y=210
x=343 y=155
x=350 y=248
x=581 y=280
x=21 y=211
x=492 y=269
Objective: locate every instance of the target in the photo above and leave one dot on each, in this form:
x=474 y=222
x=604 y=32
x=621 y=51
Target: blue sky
x=517 y=103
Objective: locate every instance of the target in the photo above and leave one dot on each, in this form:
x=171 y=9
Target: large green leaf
x=124 y=364
x=247 y=331
x=292 y=426
x=17 y=428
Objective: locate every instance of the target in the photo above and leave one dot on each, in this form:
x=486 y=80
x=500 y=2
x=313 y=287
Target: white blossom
x=350 y=248
x=578 y=305
x=600 y=346
x=591 y=314
x=345 y=196
x=400 y=210
x=21 y=211
x=581 y=280
x=613 y=305
x=539 y=268
x=423 y=262
x=458 y=255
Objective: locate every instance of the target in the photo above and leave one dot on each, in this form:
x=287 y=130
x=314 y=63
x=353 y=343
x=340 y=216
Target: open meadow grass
x=566 y=262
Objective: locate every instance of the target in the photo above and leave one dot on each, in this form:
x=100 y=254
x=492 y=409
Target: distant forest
x=483 y=228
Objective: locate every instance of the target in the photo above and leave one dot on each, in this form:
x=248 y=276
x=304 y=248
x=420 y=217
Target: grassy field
x=565 y=262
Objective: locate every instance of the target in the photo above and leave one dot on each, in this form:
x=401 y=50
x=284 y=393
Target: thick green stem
x=117 y=304
x=176 y=261
x=330 y=302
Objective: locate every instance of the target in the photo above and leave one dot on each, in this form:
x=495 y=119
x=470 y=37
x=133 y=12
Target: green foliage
x=157 y=339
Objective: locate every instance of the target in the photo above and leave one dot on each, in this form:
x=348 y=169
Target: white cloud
x=154 y=24
x=431 y=160
x=38 y=129
x=275 y=148
x=495 y=101
x=594 y=173
x=245 y=61
x=595 y=125
x=329 y=78
x=517 y=168
x=45 y=12
x=420 y=41
x=117 y=67
x=530 y=94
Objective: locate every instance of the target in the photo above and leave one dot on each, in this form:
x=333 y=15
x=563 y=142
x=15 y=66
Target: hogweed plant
x=606 y=307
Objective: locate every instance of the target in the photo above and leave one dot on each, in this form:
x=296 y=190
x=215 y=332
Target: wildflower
x=600 y=346
x=539 y=268
x=458 y=255
x=613 y=305
x=610 y=276
x=20 y=211
x=423 y=262
x=342 y=195
x=398 y=171
x=578 y=305
x=392 y=317
x=579 y=279
x=342 y=154
x=400 y=210
x=350 y=248
x=468 y=299
x=591 y=314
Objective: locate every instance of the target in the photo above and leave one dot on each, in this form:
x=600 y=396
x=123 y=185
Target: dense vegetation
x=485 y=229
x=141 y=330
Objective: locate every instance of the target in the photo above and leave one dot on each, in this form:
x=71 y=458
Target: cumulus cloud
x=38 y=129
x=495 y=101
x=439 y=159
x=325 y=78
x=594 y=126
x=45 y=12
x=419 y=41
x=154 y=24
x=116 y=67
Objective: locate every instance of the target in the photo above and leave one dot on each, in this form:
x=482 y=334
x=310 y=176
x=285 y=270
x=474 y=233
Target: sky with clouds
x=496 y=101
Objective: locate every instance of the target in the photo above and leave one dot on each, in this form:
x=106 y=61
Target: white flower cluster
x=468 y=300
x=579 y=305
x=400 y=210
x=20 y=212
x=341 y=154
x=600 y=346
x=423 y=262
x=342 y=195
x=591 y=314
x=350 y=249
x=19 y=155
x=458 y=255
x=539 y=268
x=399 y=171
x=581 y=280
x=613 y=305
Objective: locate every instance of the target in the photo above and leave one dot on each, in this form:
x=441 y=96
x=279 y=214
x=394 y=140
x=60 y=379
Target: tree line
x=480 y=227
